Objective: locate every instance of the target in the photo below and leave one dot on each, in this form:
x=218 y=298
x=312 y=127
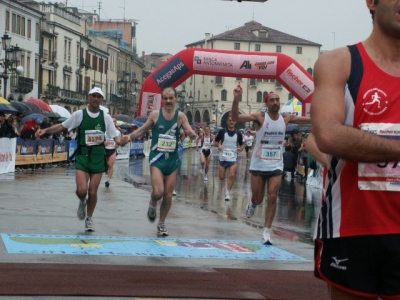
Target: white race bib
x=94 y=137
x=228 y=153
x=166 y=143
x=384 y=176
x=271 y=152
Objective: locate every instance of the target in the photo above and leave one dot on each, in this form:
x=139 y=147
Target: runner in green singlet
x=164 y=159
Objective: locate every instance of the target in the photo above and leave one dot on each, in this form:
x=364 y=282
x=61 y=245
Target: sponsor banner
x=213 y=61
x=60 y=151
x=137 y=147
x=298 y=81
x=44 y=151
x=146 y=147
x=150 y=102
x=72 y=146
x=171 y=73
x=123 y=152
x=256 y=64
x=26 y=152
x=7 y=155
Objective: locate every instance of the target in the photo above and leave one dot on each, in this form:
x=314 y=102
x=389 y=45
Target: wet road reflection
x=297 y=203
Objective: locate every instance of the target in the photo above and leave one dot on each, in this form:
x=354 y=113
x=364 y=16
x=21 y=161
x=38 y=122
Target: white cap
x=97 y=90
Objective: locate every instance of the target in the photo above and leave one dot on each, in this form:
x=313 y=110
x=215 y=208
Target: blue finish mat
x=148 y=247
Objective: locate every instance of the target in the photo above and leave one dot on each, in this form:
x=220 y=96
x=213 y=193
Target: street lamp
x=124 y=86
x=12 y=55
x=217 y=110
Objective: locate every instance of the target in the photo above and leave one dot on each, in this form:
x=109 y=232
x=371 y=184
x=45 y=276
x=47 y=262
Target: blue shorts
x=227 y=164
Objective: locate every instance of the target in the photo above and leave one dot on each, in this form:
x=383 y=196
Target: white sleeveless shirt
x=268 y=152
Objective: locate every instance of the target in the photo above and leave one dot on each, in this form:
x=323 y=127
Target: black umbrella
x=37 y=117
x=21 y=107
x=142 y=119
x=35 y=109
x=124 y=118
x=8 y=109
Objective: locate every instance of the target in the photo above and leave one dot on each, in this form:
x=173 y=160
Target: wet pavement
x=297 y=208
x=39 y=207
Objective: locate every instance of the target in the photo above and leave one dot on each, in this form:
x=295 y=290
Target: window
x=218 y=80
x=223 y=95
x=67 y=82
x=264 y=96
x=7 y=27
x=29 y=29
x=69 y=51
x=37 y=32
x=28 y=66
x=278 y=49
x=212 y=45
x=290 y=96
x=299 y=50
x=22 y=63
x=257 y=47
x=259 y=97
x=36 y=68
x=309 y=70
x=237 y=46
x=65 y=49
x=239 y=78
x=101 y=63
x=78 y=49
x=252 y=82
x=23 y=26
x=14 y=23
x=94 y=64
x=18 y=30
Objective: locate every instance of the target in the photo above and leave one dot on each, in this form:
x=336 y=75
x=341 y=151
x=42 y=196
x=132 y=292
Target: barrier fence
x=17 y=152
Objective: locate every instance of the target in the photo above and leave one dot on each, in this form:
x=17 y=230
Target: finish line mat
x=155 y=247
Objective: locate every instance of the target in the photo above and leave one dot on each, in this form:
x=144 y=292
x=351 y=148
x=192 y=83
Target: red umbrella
x=41 y=103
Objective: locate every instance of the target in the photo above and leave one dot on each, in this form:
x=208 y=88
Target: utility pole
x=99 y=9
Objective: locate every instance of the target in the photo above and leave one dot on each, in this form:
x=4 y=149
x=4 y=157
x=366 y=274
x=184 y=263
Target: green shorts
x=93 y=162
x=167 y=163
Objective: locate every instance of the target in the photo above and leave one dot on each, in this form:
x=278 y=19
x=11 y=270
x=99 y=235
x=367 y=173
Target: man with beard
x=164 y=158
x=266 y=165
x=91 y=155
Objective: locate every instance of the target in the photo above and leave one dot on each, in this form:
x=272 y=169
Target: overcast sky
x=166 y=26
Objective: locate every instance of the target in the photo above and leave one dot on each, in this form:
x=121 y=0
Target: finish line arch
x=262 y=65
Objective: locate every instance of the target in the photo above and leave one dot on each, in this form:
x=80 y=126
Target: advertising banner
x=137 y=147
x=150 y=102
x=123 y=152
x=26 y=152
x=7 y=155
x=44 y=151
x=72 y=146
x=60 y=151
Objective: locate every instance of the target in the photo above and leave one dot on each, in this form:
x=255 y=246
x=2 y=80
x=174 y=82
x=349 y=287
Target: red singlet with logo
x=364 y=198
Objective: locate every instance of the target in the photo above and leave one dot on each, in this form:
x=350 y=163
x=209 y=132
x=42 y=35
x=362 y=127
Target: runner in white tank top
x=267 y=162
x=206 y=140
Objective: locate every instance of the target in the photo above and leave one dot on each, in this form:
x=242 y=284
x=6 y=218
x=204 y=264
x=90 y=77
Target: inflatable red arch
x=224 y=63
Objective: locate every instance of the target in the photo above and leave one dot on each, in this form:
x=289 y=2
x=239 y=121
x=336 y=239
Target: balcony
x=21 y=84
x=51 y=90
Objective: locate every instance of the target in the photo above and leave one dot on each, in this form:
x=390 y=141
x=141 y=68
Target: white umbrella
x=63 y=112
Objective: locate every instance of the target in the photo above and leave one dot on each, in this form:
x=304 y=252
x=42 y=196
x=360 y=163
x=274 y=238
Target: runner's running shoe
x=81 y=212
x=250 y=210
x=89 y=226
x=162 y=230
x=151 y=213
x=205 y=177
x=107 y=184
x=266 y=237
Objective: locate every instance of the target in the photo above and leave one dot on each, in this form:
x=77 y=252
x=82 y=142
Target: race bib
x=110 y=144
x=228 y=153
x=271 y=152
x=94 y=137
x=249 y=143
x=207 y=146
x=166 y=143
x=383 y=176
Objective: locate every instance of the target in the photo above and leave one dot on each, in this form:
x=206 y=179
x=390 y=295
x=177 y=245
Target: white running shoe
x=250 y=210
x=266 y=237
x=205 y=177
x=162 y=230
x=81 y=212
x=227 y=196
x=173 y=193
x=89 y=226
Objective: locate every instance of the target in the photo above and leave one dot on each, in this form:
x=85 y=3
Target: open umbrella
x=139 y=124
x=8 y=109
x=142 y=119
x=41 y=103
x=62 y=119
x=201 y=124
x=125 y=118
x=4 y=101
x=21 y=107
x=35 y=109
x=37 y=117
x=52 y=115
x=62 y=111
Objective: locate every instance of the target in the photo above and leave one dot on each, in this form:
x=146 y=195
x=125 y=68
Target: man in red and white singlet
x=358 y=229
